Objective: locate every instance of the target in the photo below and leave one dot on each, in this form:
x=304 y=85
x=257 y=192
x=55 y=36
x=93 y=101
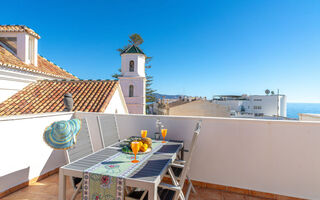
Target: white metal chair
x=82 y=148
x=108 y=129
x=174 y=191
x=168 y=191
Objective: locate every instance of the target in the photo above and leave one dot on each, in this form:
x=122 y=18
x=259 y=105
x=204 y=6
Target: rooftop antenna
x=267 y=91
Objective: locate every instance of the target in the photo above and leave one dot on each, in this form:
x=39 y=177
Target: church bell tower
x=133 y=79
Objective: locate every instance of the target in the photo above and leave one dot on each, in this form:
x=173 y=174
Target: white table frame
x=152 y=187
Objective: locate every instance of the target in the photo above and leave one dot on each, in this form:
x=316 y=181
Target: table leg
x=62 y=185
x=153 y=192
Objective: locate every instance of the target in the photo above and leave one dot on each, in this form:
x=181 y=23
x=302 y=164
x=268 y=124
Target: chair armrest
x=170 y=187
x=181 y=162
x=176 y=165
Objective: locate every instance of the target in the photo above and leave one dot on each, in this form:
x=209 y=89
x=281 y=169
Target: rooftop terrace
x=234 y=158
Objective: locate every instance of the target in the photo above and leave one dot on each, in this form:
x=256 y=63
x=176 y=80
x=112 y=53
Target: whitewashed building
x=254 y=105
x=20 y=63
x=133 y=79
x=31 y=84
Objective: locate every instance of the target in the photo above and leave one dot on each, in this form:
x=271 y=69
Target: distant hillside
x=166 y=96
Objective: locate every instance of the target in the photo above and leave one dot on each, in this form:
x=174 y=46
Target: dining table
x=146 y=175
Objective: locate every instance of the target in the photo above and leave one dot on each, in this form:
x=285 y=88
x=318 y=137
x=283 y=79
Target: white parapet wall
x=280 y=157
x=24 y=155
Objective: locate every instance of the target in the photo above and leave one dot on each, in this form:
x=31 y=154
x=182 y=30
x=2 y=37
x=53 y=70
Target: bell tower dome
x=133 y=79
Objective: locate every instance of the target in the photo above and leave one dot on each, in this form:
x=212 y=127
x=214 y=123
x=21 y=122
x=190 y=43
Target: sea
x=293 y=109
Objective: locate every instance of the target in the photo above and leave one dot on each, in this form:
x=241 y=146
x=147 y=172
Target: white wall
x=279 y=157
x=137 y=103
x=270 y=105
x=24 y=155
x=23 y=45
x=139 y=65
x=233 y=105
x=117 y=103
x=11 y=81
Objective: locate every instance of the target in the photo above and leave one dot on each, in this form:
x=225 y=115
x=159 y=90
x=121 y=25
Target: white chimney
x=21 y=41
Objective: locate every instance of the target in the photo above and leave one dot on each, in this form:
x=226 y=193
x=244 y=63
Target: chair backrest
x=83 y=146
x=108 y=129
x=192 y=147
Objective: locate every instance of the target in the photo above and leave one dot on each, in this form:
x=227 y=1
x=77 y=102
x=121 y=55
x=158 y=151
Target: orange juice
x=135 y=146
x=164 y=134
x=144 y=133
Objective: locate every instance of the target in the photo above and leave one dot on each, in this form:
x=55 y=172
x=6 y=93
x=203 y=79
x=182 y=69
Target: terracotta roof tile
x=45 y=67
x=18 y=28
x=47 y=96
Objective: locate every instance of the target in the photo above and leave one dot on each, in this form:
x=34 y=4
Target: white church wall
x=135 y=104
x=117 y=104
x=139 y=60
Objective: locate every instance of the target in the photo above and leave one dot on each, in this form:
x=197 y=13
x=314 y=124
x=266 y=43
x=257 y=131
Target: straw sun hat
x=62 y=134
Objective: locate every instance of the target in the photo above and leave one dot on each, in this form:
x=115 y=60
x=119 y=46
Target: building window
x=257 y=107
x=131 y=91
x=31 y=50
x=131 y=66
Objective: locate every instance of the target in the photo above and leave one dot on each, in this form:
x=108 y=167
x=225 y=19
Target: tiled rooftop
x=18 y=28
x=48 y=189
x=44 y=67
x=47 y=96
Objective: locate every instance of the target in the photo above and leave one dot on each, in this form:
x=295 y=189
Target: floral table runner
x=105 y=180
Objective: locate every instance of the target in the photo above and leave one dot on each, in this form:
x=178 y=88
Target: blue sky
x=199 y=48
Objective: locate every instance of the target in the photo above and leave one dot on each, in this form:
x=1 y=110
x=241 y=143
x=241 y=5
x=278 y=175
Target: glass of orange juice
x=144 y=133
x=164 y=134
x=135 y=146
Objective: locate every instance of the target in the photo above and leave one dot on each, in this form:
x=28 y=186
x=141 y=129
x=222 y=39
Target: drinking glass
x=164 y=133
x=135 y=146
x=144 y=133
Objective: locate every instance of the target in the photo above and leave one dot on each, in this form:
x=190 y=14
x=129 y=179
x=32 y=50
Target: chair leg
x=181 y=195
x=77 y=190
x=188 y=191
x=191 y=185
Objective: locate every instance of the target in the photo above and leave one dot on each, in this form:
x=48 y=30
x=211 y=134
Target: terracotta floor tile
x=255 y=198
x=233 y=196
x=48 y=189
